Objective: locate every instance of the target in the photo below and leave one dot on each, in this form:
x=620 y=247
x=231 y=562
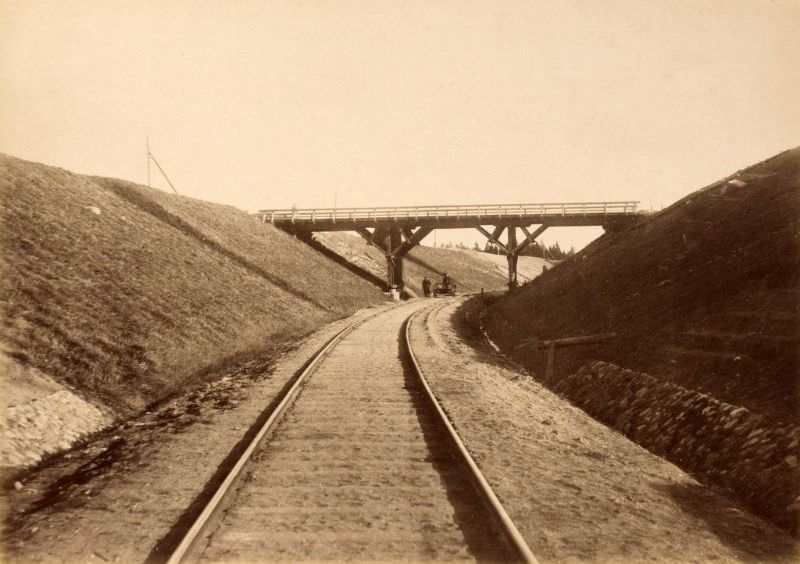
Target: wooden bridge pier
x=511 y=248
x=394 y=242
x=511 y=257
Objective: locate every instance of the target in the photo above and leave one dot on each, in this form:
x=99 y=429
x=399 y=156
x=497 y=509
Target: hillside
x=704 y=294
x=122 y=293
x=471 y=270
x=528 y=268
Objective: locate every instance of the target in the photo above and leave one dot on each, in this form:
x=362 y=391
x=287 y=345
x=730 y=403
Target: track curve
x=355 y=464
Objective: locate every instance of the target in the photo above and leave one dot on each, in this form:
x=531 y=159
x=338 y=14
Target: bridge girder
x=607 y=222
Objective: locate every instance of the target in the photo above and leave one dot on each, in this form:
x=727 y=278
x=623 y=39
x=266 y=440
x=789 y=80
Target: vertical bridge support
x=394 y=243
x=511 y=248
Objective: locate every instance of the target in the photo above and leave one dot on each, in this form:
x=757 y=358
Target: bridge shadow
x=425 y=265
x=339 y=259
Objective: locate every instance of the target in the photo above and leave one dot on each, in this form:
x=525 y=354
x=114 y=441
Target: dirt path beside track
x=576 y=489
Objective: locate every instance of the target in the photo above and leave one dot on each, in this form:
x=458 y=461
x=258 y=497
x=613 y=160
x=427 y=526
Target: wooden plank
x=571 y=341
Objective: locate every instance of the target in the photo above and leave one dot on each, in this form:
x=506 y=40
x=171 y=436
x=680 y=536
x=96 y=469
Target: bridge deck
x=554 y=214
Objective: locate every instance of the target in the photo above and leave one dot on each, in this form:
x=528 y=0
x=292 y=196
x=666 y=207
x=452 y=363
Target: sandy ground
x=576 y=489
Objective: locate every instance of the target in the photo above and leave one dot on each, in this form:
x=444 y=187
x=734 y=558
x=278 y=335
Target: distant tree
x=533 y=250
x=554 y=251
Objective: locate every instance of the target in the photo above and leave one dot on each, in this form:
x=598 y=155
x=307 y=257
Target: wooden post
x=550 y=371
x=511 y=257
x=551 y=361
x=395 y=262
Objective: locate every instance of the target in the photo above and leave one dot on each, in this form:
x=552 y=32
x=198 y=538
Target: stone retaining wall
x=755 y=457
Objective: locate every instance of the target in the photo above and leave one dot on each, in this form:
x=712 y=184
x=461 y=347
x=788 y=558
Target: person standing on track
x=426 y=287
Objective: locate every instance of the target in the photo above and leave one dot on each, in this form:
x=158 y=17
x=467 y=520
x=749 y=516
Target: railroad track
x=357 y=462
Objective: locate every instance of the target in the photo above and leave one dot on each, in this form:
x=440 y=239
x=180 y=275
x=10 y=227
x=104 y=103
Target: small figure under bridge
x=444 y=288
x=397 y=230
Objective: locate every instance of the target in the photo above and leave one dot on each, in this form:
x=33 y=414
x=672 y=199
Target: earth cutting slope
x=124 y=294
x=705 y=299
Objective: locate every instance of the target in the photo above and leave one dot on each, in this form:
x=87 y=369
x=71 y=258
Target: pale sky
x=269 y=104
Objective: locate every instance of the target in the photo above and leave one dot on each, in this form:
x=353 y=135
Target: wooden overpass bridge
x=396 y=230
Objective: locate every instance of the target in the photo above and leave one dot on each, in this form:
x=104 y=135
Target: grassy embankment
x=124 y=293
x=704 y=294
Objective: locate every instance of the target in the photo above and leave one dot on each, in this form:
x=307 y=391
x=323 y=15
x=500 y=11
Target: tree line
x=535 y=249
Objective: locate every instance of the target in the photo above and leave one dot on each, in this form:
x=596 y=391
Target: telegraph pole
x=152 y=157
x=147 y=158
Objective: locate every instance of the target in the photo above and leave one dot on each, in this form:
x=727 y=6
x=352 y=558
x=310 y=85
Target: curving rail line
x=490 y=498
x=282 y=425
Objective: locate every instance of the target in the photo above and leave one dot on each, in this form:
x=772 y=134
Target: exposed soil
x=576 y=489
x=705 y=294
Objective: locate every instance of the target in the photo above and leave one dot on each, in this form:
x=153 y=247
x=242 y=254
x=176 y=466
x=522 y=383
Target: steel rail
x=210 y=510
x=509 y=529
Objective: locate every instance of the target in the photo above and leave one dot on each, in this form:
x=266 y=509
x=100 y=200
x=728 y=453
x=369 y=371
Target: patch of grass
x=123 y=293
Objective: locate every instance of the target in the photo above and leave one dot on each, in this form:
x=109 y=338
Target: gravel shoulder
x=576 y=489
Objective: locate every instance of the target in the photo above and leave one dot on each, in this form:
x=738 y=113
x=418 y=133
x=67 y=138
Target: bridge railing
x=468 y=211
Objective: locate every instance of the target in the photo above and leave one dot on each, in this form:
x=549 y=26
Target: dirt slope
x=471 y=270
x=704 y=294
x=122 y=293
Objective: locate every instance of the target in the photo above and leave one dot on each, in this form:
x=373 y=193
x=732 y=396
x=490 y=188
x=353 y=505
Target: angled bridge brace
x=511 y=248
x=394 y=248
